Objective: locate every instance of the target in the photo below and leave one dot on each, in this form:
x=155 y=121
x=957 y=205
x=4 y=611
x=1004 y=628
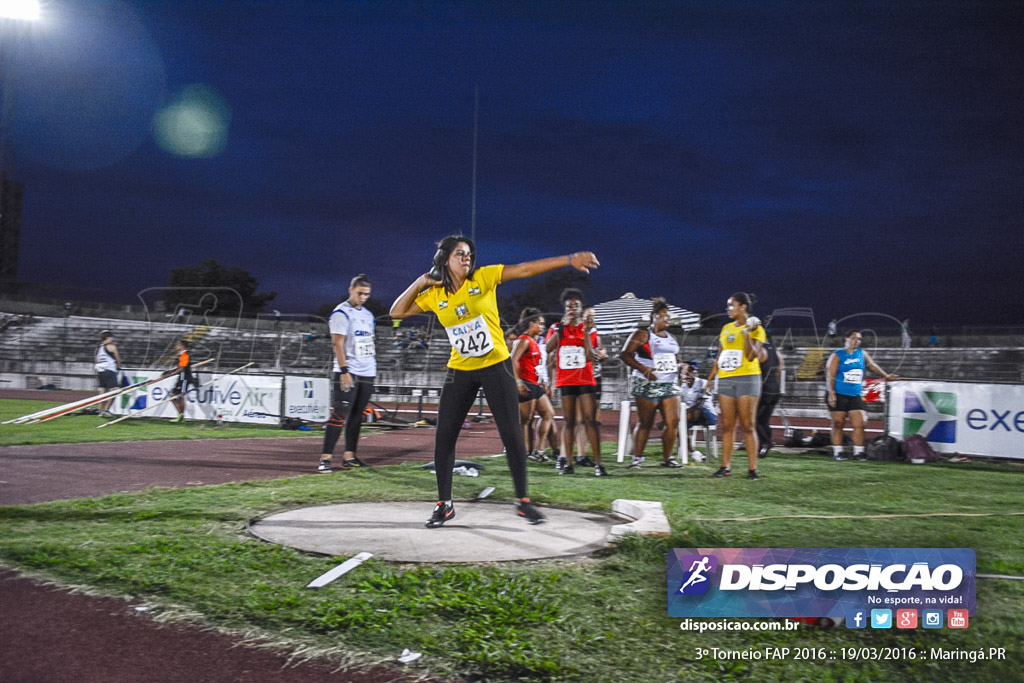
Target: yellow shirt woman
x=732 y=362
x=470 y=317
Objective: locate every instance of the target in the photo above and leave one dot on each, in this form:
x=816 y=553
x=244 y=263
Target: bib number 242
x=471 y=339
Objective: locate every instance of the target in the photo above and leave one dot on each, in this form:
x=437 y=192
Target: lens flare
x=194 y=125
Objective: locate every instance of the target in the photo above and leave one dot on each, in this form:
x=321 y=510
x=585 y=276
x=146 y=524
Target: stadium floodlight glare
x=25 y=10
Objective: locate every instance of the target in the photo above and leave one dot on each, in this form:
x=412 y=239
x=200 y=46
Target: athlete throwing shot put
x=464 y=298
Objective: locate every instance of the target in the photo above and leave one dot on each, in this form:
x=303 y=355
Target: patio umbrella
x=622 y=315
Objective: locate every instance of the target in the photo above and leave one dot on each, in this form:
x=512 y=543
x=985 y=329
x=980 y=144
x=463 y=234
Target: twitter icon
x=881 y=618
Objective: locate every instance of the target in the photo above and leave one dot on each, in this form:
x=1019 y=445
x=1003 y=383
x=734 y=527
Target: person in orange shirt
x=185 y=379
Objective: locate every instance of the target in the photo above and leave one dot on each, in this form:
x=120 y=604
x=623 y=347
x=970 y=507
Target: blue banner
x=819 y=582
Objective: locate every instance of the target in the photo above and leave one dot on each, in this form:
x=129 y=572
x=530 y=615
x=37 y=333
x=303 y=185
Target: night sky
x=847 y=156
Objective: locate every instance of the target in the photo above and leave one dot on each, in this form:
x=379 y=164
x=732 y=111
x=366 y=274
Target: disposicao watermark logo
x=696 y=581
x=844 y=583
x=932 y=414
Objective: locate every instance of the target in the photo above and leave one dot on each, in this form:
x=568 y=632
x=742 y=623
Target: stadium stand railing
x=58 y=351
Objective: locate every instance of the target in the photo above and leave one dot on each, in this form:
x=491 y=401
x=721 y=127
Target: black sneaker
x=671 y=462
x=585 y=461
x=752 y=474
x=568 y=469
x=443 y=512
x=763 y=452
x=526 y=510
x=840 y=458
x=325 y=466
x=722 y=472
x=353 y=462
x=561 y=463
x=599 y=471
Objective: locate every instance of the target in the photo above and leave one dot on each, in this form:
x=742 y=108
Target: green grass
x=83 y=428
x=600 y=618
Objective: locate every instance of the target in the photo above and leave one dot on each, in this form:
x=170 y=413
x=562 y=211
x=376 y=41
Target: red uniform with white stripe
x=529 y=360
x=570 y=357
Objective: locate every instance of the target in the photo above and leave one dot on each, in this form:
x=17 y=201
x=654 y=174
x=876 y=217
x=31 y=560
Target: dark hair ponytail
x=744 y=298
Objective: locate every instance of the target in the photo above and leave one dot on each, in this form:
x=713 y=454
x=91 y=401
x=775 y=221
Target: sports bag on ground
x=884 y=448
x=917 y=449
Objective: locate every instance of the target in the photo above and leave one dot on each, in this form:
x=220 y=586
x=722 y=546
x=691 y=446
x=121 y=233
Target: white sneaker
x=635 y=464
x=697 y=456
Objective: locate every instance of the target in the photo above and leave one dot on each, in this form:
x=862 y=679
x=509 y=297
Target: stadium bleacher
x=58 y=351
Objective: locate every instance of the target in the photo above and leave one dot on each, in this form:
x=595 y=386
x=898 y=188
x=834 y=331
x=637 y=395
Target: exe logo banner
x=816 y=582
x=932 y=414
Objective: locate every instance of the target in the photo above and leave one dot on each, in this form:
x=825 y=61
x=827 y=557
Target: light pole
x=15 y=16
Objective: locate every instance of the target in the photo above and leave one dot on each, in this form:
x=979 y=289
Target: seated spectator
x=700 y=410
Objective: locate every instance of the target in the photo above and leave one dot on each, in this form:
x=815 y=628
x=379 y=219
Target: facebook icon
x=857 y=619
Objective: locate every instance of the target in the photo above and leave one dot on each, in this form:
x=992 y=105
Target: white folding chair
x=710 y=438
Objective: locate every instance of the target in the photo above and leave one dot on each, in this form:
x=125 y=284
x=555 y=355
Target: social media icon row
x=906 y=618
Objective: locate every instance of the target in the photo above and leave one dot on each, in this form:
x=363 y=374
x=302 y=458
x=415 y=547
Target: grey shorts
x=744 y=385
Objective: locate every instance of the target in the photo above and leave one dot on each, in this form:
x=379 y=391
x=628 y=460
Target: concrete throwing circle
x=480 y=532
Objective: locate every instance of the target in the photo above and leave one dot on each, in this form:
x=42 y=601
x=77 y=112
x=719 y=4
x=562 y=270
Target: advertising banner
x=844 y=583
x=960 y=417
x=873 y=390
x=307 y=398
x=252 y=399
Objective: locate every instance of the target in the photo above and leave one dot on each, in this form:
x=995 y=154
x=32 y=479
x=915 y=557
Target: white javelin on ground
x=170 y=398
x=67 y=408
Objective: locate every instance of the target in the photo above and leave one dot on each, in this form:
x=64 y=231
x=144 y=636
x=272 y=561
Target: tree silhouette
x=210 y=274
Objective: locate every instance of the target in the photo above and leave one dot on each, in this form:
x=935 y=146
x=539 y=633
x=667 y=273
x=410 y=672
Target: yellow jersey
x=470 y=318
x=732 y=362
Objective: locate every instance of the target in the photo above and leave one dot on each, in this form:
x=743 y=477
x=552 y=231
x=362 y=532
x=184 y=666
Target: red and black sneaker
x=443 y=512
x=722 y=472
x=526 y=510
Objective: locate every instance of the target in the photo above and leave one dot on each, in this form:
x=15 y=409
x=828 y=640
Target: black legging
x=457 y=396
x=347 y=408
x=765 y=408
